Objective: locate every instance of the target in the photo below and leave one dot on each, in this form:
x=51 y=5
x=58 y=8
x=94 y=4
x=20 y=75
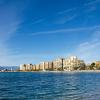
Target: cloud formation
x=9 y=24
x=67 y=11
x=65 y=30
x=92 y=2
x=37 y=21
x=89 y=50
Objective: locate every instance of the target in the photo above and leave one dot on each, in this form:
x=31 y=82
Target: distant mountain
x=1 y=68
x=9 y=67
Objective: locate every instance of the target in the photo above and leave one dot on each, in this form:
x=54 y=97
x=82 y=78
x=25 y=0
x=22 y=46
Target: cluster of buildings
x=61 y=64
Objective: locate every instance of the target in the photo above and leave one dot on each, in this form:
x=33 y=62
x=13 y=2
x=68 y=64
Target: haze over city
x=32 y=31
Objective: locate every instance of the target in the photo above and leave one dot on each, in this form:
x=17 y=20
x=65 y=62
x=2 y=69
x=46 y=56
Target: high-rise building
x=73 y=62
x=34 y=67
x=26 y=67
x=46 y=65
x=50 y=66
x=58 y=64
x=69 y=64
x=37 y=67
x=42 y=66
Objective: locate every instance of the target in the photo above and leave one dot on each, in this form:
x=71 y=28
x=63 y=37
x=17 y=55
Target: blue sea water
x=49 y=86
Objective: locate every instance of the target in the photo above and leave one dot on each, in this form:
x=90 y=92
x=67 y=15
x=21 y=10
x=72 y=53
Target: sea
x=49 y=86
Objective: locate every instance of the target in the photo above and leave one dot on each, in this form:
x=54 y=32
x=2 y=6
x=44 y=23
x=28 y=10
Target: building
x=22 y=67
x=58 y=64
x=73 y=63
x=42 y=66
x=46 y=65
x=37 y=67
x=67 y=64
x=97 y=63
x=50 y=66
x=26 y=67
x=34 y=67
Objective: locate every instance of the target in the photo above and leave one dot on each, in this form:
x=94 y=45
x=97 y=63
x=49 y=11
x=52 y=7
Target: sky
x=32 y=31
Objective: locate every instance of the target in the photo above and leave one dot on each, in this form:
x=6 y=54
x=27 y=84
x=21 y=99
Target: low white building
x=22 y=67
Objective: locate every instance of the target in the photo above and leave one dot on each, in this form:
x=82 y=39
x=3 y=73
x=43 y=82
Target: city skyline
x=61 y=64
x=32 y=31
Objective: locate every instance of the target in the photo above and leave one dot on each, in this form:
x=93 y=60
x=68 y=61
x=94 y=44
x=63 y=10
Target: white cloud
x=90 y=9
x=89 y=50
x=38 y=21
x=66 y=30
x=9 y=23
x=91 y=6
x=67 y=10
x=65 y=19
x=92 y=2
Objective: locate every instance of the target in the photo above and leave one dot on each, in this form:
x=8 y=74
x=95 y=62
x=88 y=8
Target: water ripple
x=49 y=86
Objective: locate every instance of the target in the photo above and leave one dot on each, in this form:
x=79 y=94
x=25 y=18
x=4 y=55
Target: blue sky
x=32 y=31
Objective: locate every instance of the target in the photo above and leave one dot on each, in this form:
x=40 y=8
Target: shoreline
x=75 y=71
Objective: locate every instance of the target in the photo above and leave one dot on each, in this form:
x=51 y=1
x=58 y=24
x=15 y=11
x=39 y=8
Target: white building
x=26 y=67
x=58 y=63
x=22 y=67
x=72 y=62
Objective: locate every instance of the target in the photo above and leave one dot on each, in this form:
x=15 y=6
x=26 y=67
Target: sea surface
x=49 y=86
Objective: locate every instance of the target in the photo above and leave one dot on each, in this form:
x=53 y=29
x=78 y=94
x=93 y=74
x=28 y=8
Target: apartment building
x=73 y=62
x=67 y=64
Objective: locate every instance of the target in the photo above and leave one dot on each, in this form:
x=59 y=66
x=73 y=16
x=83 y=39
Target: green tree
x=92 y=66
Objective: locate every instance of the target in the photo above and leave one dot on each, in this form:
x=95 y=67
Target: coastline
x=74 y=71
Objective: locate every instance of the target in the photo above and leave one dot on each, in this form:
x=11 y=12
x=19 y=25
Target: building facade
x=73 y=63
x=58 y=64
x=66 y=64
